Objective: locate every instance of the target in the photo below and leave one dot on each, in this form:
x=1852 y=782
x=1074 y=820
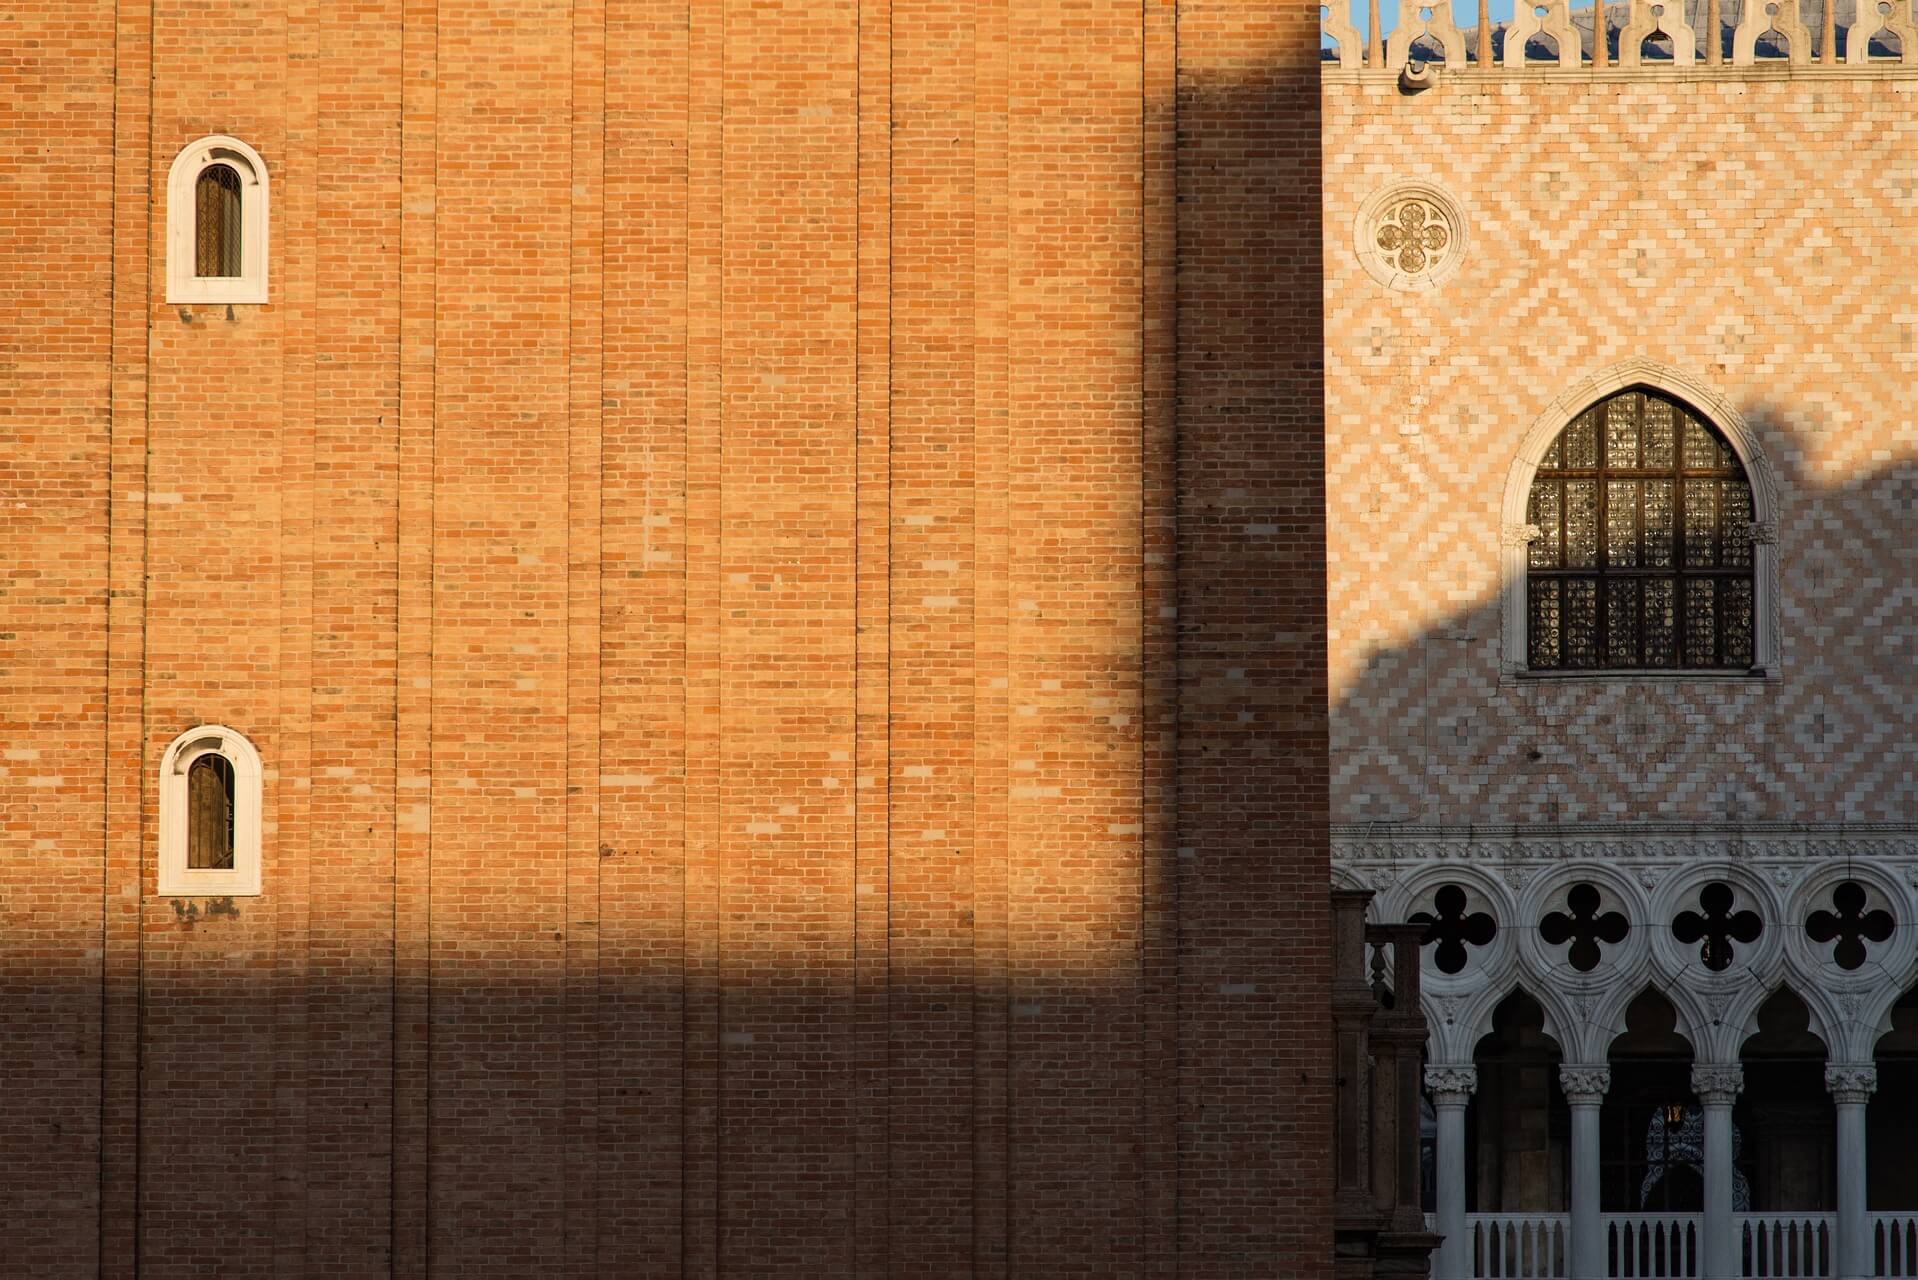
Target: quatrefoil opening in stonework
x=1718 y=930
x=1453 y=928
x=1851 y=926
x=1585 y=927
x=1413 y=237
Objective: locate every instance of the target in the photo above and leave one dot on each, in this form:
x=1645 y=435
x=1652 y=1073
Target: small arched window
x=217 y=230
x=1642 y=558
x=217 y=223
x=211 y=788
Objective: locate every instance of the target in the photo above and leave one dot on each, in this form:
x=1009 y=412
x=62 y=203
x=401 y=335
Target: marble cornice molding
x=1371 y=843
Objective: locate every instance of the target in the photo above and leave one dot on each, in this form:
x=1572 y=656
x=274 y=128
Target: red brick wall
x=773 y=554
x=57 y=401
x=1255 y=950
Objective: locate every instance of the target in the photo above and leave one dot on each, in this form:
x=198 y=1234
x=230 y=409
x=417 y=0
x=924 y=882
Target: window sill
x=1687 y=674
x=207 y=291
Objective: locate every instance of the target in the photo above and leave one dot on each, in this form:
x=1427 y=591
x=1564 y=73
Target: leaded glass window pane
x=1581 y=622
x=1701 y=622
x=1659 y=420
x=1658 y=524
x=1701 y=523
x=1701 y=451
x=1621 y=433
x=1621 y=523
x=216 y=225
x=1545 y=629
x=1581 y=524
x=1544 y=513
x=1735 y=510
x=1661 y=611
x=1579 y=444
x=1621 y=623
x=1643 y=558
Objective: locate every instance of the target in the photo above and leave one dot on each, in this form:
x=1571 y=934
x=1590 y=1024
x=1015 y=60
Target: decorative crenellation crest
x=1656 y=35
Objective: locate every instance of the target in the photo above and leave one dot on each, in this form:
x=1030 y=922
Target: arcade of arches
x=1500 y=1138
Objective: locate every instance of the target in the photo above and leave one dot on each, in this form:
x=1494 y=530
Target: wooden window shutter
x=210 y=814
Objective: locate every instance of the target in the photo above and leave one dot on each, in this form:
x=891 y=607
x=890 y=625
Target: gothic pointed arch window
x=1641 y=543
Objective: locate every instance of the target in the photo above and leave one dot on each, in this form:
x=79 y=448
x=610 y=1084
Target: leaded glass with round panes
x=1643 y=558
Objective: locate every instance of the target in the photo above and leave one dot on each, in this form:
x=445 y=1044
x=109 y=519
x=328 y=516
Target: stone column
x=1851 y=1085
x=1717 y=1085
x=1585 y=1088
x=1452 y=1088
x=1353 y=1008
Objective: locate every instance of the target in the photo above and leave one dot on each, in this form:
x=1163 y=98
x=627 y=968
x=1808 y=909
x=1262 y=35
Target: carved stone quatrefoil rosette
x=1410 y=236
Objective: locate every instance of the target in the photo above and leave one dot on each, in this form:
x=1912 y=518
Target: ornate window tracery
x=1642 y=558
x=1452 y=926
x=1851 y=926
x=1584 y=926
x=1718 y=928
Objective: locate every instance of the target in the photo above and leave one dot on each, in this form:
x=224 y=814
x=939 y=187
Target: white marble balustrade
x=1654 y=1246
x=1895 y=1245
x=1787 y=1246
x=1519 y=1246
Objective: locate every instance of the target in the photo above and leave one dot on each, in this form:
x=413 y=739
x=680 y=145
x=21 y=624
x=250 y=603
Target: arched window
x=217 y=223
x=211 y=788
x=1643 y=553
x=217 y=230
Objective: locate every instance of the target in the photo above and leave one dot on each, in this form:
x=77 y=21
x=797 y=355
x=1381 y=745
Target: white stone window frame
x=1515 y=533
x=182 y=284
x=242 y=879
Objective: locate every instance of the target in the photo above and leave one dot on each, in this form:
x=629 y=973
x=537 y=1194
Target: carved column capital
x=1851 y=1081
x=1718 y=1083
x=1584 y=1084
x=1451 y=1086
x=1762 y=532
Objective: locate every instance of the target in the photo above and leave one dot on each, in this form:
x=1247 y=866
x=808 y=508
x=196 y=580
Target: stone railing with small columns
x=1648 y=34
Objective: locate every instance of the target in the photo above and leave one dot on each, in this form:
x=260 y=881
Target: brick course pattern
x=1727 y=223
x=774 y=555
